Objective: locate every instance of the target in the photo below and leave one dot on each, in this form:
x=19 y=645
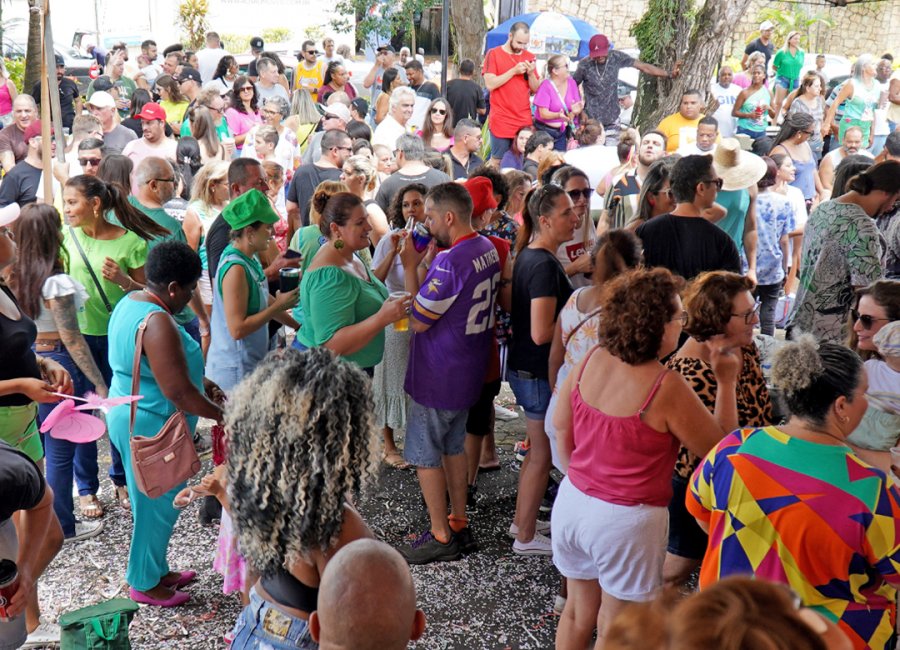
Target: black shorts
x=686 y=538
x=481 y=414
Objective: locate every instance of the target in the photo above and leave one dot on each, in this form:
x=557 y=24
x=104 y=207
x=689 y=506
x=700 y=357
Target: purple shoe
x=184 y=578
x=178 y=598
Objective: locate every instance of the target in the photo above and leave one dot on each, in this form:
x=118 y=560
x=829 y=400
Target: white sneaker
x=86 y=530
x=559 y=604
x=542 y=527
x=540 y=545
x=44 y=634
x=505 y=414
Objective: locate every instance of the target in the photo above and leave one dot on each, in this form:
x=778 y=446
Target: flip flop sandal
x=122 y=497
x=90 y=506
x=397 y=462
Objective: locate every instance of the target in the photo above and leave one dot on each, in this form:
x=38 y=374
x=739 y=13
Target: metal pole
x=445 y=43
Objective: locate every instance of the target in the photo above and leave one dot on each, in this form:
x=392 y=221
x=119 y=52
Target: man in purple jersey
x=452 y=318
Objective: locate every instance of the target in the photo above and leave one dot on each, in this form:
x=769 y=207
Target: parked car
x=835 y=65
x=78 y=65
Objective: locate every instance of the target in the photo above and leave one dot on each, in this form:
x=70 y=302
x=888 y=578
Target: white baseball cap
x=768 y=24
x=9 y=213
x=102 y=99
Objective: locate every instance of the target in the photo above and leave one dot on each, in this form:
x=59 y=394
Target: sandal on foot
x=122 y=497
x=490 y=466
x=90 y=506
x=395 y=460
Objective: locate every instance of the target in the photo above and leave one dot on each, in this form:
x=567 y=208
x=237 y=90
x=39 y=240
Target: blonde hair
x=201 y=189
x=363 y=165
x=326 y=189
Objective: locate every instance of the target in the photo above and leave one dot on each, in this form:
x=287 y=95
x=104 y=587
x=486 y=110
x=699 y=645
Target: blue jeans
x=768 y=299
x=193 y=329
x=65 y=459
x=262 y=625
x=99 y=346
x=532 y=394
x=754 y=135
x=499 y=146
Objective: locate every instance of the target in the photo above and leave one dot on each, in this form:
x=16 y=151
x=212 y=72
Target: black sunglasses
x=586 y=193
x=865 y=320
x=718 y=182
x=84 y=162
x=439 y=111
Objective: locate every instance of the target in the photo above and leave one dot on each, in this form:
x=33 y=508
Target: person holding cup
x=242 y=306
x=346 y=307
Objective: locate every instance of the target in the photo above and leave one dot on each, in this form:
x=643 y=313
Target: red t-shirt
x=511 y=102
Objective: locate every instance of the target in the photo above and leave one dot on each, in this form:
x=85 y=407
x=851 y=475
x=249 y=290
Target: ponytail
x=538 y=202
x=883 y=177
x=130 y=217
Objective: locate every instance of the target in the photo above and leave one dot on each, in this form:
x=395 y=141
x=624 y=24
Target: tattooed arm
x=63 y=310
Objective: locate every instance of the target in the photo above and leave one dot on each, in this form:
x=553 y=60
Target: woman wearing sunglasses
x=243 y=112
x=437 y=131
x=842 y=252
x=656 y=193
x=721 y=315
x=574 y=255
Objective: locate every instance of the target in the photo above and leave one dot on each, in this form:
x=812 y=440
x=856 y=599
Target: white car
x=835 y=65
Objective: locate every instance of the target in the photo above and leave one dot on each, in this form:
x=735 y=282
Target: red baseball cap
x=152 y=111
x=482 y=191
x=33 y=130
x=599 y=46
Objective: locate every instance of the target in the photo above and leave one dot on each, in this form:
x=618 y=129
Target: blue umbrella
x=550 y=33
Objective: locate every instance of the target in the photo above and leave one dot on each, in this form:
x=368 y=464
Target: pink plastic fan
x=67 y=423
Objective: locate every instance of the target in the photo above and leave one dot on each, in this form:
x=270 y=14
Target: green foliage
x=236 y=43
x=16 y=70
x=276 y=35
x=656 y=30
x=192 y=18
x=375 y=18
x=794 y=18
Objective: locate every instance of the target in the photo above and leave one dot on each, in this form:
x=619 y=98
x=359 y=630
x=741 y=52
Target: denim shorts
x=686 y=538
x=787 y=84
x=532 y=394
x=432 y=434
x=499 y=146
x=262 y=625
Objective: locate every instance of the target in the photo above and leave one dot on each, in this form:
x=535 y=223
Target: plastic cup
x=401 y=325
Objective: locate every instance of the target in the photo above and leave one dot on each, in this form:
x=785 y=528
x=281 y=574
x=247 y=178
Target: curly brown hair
x=636 y=308
x=708 y=302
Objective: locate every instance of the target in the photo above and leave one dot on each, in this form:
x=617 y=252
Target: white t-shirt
x=208 y=59
x=881 y=378
x=596 y=161
x=726 y=98
x=580 y=244
x=387 y=132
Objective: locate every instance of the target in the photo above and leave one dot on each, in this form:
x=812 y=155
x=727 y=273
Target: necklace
x=156 y=299
x=841 y=441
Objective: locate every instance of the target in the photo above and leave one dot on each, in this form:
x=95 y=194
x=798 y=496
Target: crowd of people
x=339 y=278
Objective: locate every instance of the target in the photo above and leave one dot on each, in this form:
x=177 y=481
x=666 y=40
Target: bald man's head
x=367 y=600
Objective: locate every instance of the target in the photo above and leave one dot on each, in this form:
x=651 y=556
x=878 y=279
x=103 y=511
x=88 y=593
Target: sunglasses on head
x=865 y=320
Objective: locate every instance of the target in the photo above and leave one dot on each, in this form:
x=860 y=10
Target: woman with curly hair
x=243 y=112
x=225 y=75
x=620 y=418
x=794 y=504
x=721 y=314
x=306 y=415
x=391 y=399
x=336 y=79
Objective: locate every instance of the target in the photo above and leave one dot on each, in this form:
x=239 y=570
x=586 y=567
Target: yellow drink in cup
x=401 y=325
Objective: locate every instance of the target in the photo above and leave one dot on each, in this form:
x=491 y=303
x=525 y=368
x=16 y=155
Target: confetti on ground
x=491 y=600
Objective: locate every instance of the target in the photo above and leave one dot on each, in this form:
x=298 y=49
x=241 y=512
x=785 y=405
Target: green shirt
x=334 y=299
x=253 y=271
x=307 y=241
x=129 y=251
x=736 y=204
x=124 y=86
x=788 y=65
x=222 y=130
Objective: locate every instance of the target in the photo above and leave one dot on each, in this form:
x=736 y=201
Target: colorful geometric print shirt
x=809 y=515
x=447 y=362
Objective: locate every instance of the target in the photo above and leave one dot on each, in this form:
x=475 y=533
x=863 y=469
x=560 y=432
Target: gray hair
x=280 y=104
x=28 y=99
x=151 y=168
x=399 y=94
x=857 y=69
x=412 y=146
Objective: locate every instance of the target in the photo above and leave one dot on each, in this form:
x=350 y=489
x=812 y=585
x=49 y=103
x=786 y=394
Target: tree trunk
x=33 y=52
x=699 y=54
x=468 y=28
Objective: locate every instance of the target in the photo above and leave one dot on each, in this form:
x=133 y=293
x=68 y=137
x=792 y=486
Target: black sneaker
x=466 y=541
x=427 y=549
x=472 y=498
x=210 y=511
x=549 y=496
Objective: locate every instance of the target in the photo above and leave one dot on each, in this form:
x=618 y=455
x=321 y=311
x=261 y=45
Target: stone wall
x=872 y=27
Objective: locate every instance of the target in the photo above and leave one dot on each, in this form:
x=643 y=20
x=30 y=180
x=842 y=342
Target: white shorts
x=622 y=547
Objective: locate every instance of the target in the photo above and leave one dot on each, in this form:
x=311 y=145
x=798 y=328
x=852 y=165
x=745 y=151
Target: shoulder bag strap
x=136 y=369
x=577 y=327
x=103 y=297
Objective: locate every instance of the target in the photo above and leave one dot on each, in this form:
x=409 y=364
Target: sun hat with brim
x=9 y=213
x=250 y=207
x=738 y=169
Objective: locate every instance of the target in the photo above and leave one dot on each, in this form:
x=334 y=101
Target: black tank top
x=16 y=339
x=290 y=592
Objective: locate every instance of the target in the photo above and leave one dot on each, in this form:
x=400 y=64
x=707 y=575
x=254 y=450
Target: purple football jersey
x=447 y=363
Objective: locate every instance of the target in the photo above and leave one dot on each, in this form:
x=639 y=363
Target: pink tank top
x=5 y=100
x=621 y=460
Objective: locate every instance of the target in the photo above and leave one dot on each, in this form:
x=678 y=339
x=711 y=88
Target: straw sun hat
x=737 y=168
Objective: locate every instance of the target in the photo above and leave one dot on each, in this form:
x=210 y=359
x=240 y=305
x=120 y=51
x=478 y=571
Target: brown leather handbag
x=168 y=458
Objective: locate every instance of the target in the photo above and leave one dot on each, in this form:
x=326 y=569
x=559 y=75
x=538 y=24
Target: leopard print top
x=753 y=403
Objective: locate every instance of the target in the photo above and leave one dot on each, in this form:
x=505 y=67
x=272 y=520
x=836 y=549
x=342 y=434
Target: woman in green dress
x=171 y=378
x=346 y=307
